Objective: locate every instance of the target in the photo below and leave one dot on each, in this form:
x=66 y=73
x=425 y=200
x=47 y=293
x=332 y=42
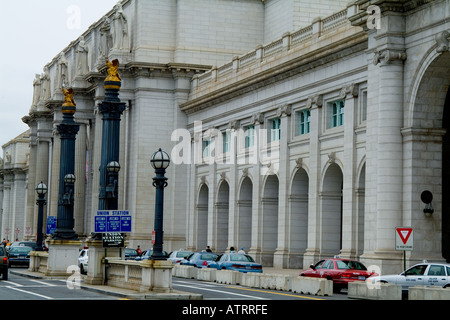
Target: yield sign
x=404 y=239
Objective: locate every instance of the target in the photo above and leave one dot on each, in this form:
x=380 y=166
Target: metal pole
x=159 y=182
x=40 y=236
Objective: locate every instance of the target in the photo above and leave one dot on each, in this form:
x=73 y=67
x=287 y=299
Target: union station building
x=297 y=130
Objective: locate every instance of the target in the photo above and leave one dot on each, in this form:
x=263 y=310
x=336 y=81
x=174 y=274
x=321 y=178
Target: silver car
x=423 y=274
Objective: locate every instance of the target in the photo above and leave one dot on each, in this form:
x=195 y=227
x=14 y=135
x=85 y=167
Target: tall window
x=226 y=136
x=337 y=113
x=250 y=136
x=206 y=149
x=275 y=132
x=304 y=119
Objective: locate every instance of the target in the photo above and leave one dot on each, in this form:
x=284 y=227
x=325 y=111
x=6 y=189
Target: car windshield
x=347 y=264
x=241 y=257
x=416 y=270
x=20 y=250
x=2 y=252
x=183 y=254
x=208 y=256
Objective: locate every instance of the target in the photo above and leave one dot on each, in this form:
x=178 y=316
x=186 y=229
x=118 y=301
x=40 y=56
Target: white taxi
x=423 y=274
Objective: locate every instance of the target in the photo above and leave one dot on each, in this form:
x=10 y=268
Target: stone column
x=389 y=150
x=260 y=134
x=349 y=208
x=313 y=250
x=282 y=250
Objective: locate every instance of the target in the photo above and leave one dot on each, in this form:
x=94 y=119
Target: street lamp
x=69 y=181
x=112 y=191
x=159 y=161
x=41 y=190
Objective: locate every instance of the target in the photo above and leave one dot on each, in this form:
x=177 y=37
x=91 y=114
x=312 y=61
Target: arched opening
x=298 y=226
x=430 y=156
x=269 y=220
x=331 y=204
x=222 y=218
x=202 y=217
x=244 y=236
x=446 y=180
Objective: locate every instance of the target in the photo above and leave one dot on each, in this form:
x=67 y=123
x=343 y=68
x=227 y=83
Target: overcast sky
x=32 y=33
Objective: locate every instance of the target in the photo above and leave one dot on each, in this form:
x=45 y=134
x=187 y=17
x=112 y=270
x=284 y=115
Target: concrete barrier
x=186 y=272
x=228 y=277
x=206 y=274
x=312 y=286
x=275 y=281
x=428 y=293
x=252 y=280
x=380 y=291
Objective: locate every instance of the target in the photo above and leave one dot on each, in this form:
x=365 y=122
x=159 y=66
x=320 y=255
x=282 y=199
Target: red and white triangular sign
x=404 y=234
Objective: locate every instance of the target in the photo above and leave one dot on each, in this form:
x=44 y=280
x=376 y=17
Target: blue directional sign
x=51 y=224
x=112 y=221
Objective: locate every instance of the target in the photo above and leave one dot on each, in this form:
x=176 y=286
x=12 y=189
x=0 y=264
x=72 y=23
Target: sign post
x=404 y=241
x=112 y=224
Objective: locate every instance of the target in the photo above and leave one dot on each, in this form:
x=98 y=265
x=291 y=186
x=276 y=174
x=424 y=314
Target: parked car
x=19 y=255
x=131 y=254
x=425 y=274
x=83 y=259
x=147 y=254
x=340 y=271
x=178 y=256
x=30 y=244
x=200 y=259
x=237 y=262
x=3 y=263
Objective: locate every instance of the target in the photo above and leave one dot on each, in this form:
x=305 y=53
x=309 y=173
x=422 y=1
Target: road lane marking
x=273 y=292
x=14 y=283
x=29 y=292
x=221 y=291
x=44 y=283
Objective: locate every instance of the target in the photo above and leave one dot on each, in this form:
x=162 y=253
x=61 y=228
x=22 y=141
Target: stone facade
x=13 y=181
x=297 y=129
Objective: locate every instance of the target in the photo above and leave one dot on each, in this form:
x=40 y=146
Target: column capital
x=387 y=56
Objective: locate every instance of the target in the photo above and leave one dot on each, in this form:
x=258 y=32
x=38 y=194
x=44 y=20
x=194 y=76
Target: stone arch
x=222 y=216
x=331 y=211
x=202 y=217
x=427 y=155
x=244 y=209
x=269 y=227
x=298 y=220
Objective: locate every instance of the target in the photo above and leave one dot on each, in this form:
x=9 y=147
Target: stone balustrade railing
x=288 y=41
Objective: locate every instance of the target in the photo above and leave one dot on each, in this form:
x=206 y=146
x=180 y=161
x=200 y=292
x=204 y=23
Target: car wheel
x=5 y=275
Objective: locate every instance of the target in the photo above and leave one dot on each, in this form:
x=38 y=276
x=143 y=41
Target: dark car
x=340 y=271
x=3 y=263
x=30 y=244
x=146 y=255
x=131 y=254
x=19 y=255
x=200 y=259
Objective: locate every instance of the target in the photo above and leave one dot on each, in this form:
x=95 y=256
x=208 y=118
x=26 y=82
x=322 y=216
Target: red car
x=341 y=271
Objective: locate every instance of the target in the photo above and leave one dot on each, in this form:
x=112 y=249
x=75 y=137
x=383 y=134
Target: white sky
x=32 y=33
